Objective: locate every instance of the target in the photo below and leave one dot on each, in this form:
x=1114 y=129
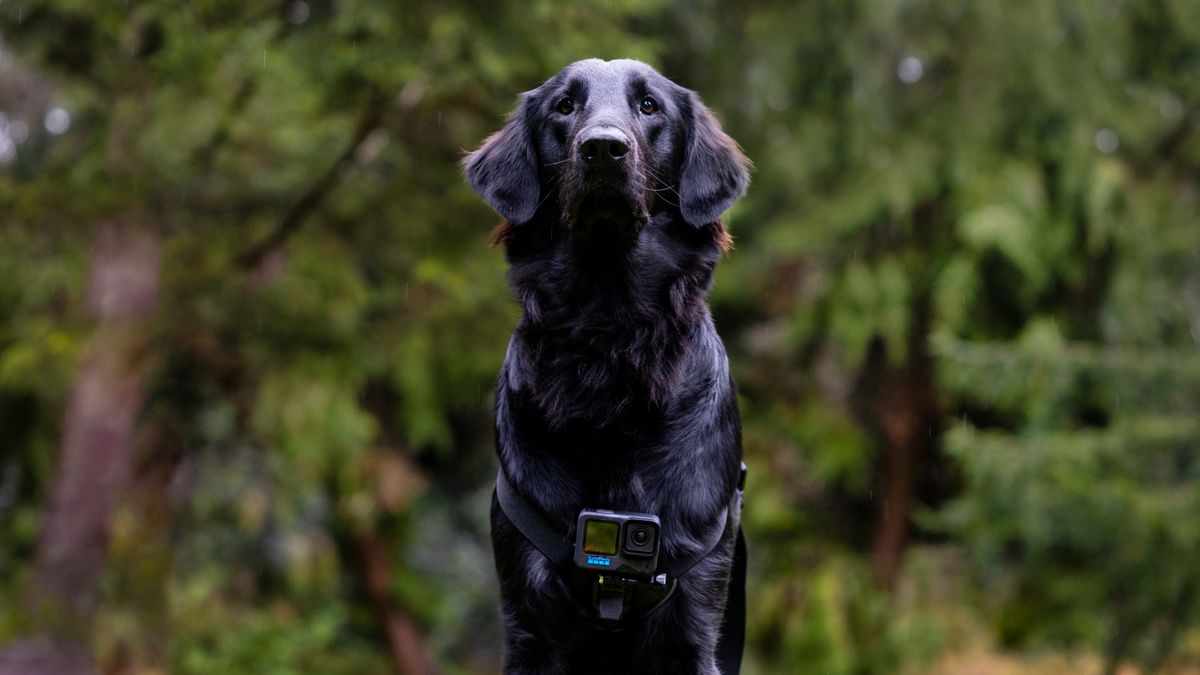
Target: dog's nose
x=604 y=146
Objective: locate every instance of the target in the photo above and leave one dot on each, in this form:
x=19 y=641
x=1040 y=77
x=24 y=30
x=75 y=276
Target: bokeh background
x=250 y=321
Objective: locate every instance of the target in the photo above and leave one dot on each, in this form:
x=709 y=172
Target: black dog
x=615 y=391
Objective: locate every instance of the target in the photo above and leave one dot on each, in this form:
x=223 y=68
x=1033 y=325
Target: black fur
x=615 y=391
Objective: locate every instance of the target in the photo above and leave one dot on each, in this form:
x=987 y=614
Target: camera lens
x=641 y=538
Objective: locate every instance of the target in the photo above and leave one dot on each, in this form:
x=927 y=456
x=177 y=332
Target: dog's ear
x=504 y=169
x=713 y=172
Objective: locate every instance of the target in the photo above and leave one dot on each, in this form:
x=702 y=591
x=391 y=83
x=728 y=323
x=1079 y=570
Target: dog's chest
x=664 y=467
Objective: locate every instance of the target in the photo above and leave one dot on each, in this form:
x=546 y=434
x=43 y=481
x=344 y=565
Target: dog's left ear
x=714 y=173
x=504 y=169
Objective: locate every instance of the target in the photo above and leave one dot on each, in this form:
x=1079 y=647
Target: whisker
x=660 y=196
x=549 y=191
x=660 y=193
x=665 y=184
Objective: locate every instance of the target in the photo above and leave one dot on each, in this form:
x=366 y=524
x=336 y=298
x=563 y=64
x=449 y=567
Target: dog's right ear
x=504 y=169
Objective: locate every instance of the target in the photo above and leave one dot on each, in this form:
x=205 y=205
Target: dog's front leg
x=531 y=601
x=685 y=632
x=534 y=639
x=526 y=649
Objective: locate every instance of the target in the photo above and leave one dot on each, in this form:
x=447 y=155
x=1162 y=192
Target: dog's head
x=604 y=145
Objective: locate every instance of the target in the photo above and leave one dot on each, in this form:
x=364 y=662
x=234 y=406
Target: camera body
x=617 y=542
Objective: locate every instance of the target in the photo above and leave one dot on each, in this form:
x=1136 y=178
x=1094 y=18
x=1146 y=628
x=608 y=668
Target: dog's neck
x=605 y=327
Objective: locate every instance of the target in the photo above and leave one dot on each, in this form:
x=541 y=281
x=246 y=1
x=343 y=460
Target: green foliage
x=1101 y=521
x=1006 y=189
x=278 y=641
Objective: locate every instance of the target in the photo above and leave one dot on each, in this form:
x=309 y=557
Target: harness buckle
x=613 y=596
x=609 y=597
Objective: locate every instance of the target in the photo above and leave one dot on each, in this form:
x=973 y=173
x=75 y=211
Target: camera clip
x=609 y=596
x=614 y=597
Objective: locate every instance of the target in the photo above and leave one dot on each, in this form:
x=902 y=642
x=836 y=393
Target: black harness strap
x=678 y=567
x=553 y=543
x=733 y=623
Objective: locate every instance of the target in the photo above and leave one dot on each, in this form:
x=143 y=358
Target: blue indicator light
x=599 y=560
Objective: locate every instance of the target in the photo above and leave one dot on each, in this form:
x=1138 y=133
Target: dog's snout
x=604 y=146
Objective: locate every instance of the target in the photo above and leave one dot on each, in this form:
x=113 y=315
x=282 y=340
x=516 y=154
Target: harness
x=620 y=599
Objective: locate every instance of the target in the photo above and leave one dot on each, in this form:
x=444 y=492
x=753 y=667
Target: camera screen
x=600 y=536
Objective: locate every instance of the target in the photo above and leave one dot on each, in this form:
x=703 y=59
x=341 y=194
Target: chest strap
x=559 y=549
x=554 y=543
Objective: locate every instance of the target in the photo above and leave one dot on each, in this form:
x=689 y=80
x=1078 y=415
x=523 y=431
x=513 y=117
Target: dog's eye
x=566 y=106
x=648 y=106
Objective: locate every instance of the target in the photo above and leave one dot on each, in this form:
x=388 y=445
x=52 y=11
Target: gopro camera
x=617 y=542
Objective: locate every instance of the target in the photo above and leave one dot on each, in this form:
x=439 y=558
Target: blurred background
x=250 y=323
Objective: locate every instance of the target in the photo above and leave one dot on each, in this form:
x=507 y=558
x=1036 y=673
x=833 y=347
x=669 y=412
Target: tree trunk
x=900 y=456
x=901 y=407
x=406 y=643
x=1167 y=639
x=94 y=460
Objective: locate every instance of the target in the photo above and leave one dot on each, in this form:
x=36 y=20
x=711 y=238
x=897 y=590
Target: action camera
x=617 y=542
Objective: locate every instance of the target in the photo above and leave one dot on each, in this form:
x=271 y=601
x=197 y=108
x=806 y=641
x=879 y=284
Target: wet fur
x=615 y=390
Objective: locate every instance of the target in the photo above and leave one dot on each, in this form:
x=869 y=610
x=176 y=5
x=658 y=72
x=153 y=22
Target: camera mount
x=615 y=559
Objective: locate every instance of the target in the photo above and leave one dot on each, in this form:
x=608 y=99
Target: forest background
x=250 y=322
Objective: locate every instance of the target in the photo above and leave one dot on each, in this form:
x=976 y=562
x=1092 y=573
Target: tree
x=951 y=200
x=961 y=310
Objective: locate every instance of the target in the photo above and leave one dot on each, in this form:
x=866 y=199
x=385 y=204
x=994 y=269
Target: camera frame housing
x=617 y=542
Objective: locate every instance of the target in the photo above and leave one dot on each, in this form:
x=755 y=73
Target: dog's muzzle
x=604 y=191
